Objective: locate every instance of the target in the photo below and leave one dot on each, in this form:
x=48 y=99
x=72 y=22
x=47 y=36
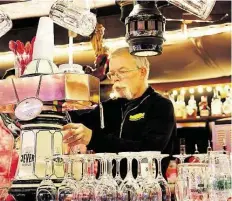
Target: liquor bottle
x=227 y=105
x=191 y=108
x=183 y=106
x=203 y=107
x=209 y=148
x=182 y=146
x=224 y=147
x=177 y=108
x=196 y=149
x=216 y=104
x=180 y=110
x=172 y=99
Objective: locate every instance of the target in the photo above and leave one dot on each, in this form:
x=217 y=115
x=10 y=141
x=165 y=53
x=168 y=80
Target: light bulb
x=218 y=88
x=191 y=90
x=226 y=87
x=200 y=89
x=209 y=89
x=175 y=92
x=182 y=91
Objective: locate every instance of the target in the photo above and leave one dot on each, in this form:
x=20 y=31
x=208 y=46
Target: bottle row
x=216 y=107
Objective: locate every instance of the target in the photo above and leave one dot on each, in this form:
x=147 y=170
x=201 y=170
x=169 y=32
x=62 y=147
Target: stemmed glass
x=139 y=177
x=46 y=190
x=87 y=185
x=151 y=189
x=106 y=189
x=166 y=192
x=180 y=185
x=118 y=177
x=129 y=189
x=69 y=184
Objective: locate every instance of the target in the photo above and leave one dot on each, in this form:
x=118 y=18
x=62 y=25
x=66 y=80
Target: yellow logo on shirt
x=136 y=117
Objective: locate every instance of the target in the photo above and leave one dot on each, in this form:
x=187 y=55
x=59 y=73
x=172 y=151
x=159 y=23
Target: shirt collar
x=135 y=101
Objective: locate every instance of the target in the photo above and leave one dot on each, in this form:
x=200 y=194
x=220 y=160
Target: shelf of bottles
x=202 y=102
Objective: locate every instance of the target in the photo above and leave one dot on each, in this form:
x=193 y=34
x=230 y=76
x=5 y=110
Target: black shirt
x=143 y=124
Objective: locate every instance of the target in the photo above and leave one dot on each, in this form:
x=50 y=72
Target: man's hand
x=74 y=134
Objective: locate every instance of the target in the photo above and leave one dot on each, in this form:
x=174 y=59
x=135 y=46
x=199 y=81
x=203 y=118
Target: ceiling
x=196 y=58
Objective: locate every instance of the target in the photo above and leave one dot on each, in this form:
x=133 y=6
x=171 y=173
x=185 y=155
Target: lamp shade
x=145 y=27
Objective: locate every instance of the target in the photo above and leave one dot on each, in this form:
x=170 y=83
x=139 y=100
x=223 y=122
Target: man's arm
x=156 y=134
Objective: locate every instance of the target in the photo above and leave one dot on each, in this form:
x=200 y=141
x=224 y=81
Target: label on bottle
x=204 y=113
x=27 y=157
x=58 y=151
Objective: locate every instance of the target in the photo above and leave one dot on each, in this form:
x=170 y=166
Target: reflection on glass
x=200 y=8
x=72 y=17
x=166 y=192
x=69 y=184
x=5 y=23
x=46 y=189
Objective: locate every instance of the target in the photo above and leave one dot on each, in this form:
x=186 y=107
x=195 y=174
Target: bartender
x=139 y=119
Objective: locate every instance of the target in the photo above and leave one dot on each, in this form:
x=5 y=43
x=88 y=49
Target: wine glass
x=139 y=177
x=69 y=184
x=151 y=189
x=46 y=190
x=129 y=189
x=166 y=192
x=87 y=185
x=118 y=177
x=106 y=189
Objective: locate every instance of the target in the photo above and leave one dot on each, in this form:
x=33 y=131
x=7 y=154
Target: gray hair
x=140 y=61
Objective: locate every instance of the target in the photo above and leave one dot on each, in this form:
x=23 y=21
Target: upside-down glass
x=87 y=185
x=180 y=186
x=69 y=184
x=200 y=8
x=129 y=189
x=150 y=188
x=166 y=192
x=72 y=17
x=106 y=189
x=46 y=189
x=139 y=177
x=5 y=23
x=118 y=177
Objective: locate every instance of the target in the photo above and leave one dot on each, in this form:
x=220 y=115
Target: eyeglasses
x=119 y=74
